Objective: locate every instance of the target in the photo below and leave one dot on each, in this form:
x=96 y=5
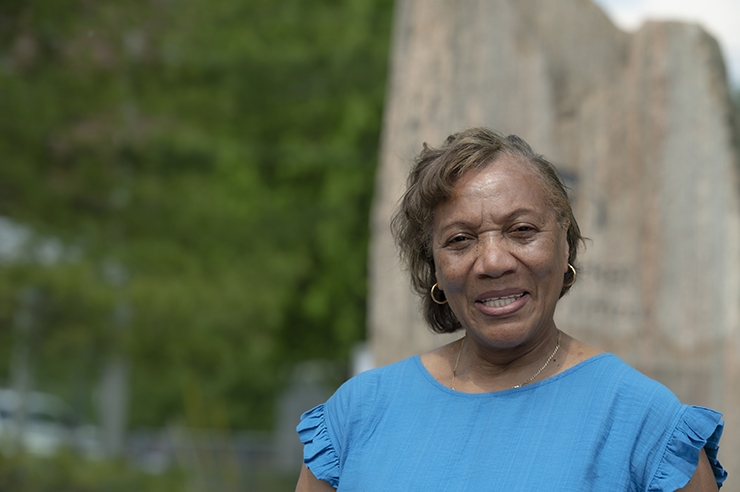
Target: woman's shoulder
x=577 y=352
x=392 y=371
x=608 y=370
x=367 y=386
x=365 y=398
x=606 y=381
x=608 y=373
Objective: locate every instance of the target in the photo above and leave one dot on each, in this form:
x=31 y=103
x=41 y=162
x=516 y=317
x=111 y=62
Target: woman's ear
x=566 y=246
x=434 y=268
x=438 y=278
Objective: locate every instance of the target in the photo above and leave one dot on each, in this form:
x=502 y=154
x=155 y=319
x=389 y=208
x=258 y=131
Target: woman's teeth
x=501 y=301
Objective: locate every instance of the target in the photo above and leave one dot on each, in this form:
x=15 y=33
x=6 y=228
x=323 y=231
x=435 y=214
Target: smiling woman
x=500 y=255
x=491 y=242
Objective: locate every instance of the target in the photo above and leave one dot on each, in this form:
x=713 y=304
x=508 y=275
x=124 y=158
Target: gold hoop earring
x=431 y=292
x=574 y=276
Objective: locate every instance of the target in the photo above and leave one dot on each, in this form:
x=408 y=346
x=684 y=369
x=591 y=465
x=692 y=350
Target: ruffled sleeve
x=319 y=454
x=697 y=428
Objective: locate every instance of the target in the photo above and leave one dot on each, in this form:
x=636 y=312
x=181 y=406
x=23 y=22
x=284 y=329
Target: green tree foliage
x=66 y=473
x=205 y=167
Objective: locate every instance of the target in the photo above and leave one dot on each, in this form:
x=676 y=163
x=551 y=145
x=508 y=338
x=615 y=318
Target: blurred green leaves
x=220 y=154
x=67 y=473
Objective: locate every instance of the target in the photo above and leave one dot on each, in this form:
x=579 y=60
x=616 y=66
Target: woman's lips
x=503 y=301
x=503 y=304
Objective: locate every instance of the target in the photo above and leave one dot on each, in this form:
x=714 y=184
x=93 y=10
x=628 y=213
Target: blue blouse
x=600 y=425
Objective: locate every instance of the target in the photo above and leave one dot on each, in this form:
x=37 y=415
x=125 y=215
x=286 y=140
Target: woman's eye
x=457 y=240
x=523 y=230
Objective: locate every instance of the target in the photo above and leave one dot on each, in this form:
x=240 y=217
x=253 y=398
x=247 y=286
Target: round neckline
x=425 y=372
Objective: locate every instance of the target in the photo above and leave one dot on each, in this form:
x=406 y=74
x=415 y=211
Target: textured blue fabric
x=318 y=451
x=600 y=425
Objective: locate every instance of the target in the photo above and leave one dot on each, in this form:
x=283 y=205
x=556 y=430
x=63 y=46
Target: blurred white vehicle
x=42 y=425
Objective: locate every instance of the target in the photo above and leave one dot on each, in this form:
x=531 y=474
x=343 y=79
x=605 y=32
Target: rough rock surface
x=640 y=125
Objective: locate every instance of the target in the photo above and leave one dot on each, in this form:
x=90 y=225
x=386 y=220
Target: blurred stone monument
x=641 y=127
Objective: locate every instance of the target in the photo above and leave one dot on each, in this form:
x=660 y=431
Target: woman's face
x=499 y=253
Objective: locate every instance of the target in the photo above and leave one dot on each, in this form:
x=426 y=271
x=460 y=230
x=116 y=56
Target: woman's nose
x=493 y=259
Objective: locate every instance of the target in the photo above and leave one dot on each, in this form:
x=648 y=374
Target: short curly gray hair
x=430 y=183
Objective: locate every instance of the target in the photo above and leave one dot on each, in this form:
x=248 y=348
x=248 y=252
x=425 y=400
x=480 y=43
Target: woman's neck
x=481 y=367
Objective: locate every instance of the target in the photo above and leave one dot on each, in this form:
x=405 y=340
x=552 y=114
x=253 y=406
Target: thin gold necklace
x=462 y=342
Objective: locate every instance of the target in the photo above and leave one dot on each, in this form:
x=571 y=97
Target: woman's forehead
x=500 y=192
x=511 y=176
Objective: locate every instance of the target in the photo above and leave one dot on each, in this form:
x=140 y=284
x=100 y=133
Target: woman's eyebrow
x=457 y=224
x=519 y=212
x=465 y=223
